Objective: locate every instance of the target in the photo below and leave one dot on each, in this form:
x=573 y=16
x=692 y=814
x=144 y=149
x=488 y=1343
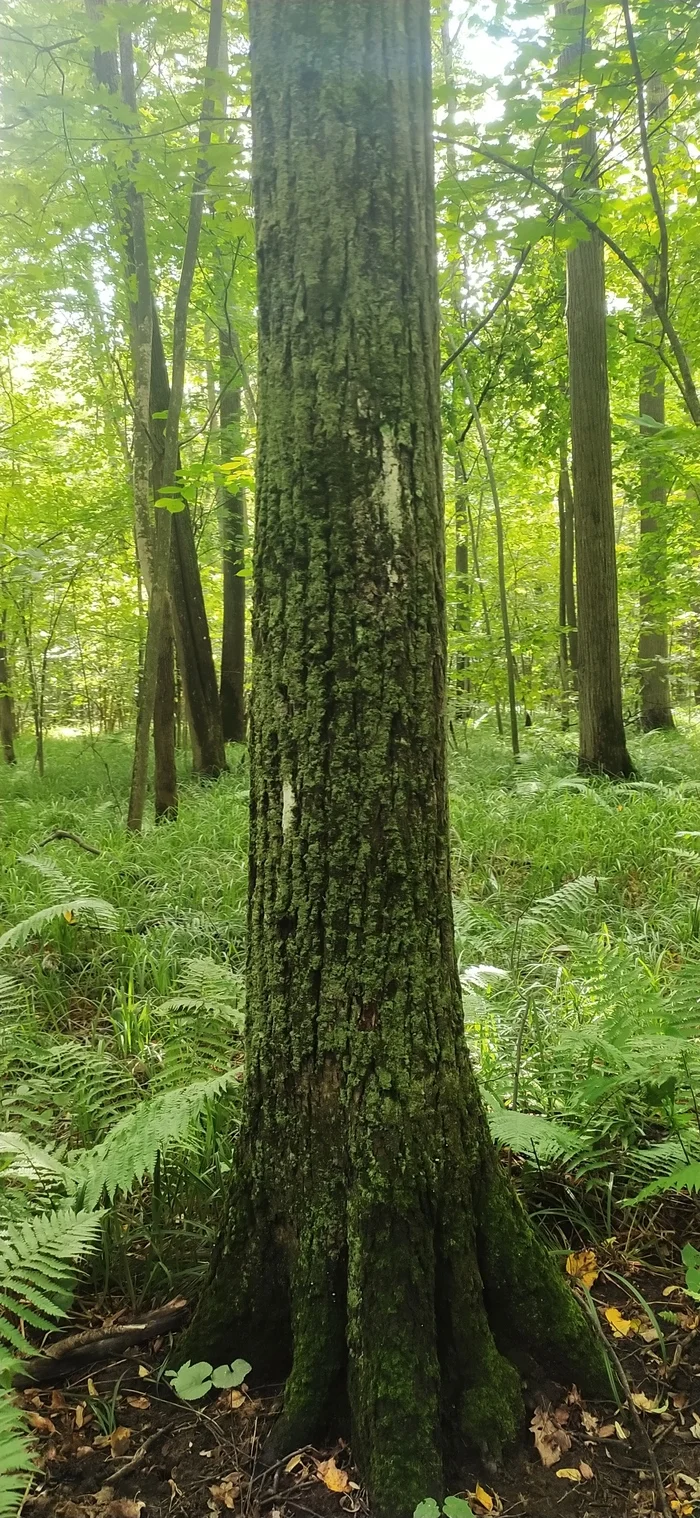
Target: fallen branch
x=66 y=1355
x=137 y=1460
x=72 y=838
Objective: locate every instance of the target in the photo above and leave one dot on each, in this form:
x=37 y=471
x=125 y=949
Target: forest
x=349 y=758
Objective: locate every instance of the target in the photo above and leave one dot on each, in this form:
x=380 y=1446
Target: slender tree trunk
x=189 y=614
x=602 y=746
x=372 y=1241
x=501 y=550
x=656 y=710
x=568 y=643
x=233 y=534
x=165 y=798
x=564 y=671
x=7 y=720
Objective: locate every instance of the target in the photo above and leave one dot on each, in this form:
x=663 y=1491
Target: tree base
x=411 y=1326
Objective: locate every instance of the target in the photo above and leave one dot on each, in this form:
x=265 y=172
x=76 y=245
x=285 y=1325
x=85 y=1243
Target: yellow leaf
x=335 y=1479
x=92 y=1389
x=144 y=1372
x=80 y=1415
x=569 y=1473
x=483 y=1497
x=621 y=1327
x=583 y=1267
x=141 y=1403
x=620 y=1431
x=292 y=1464
x=119 y=1440
x=646 y=1405
x=69 y=915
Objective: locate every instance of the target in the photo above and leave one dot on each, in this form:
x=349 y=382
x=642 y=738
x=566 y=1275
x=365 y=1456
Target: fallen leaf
x=683 y=1508
x=649 y=1335
x=569 y=1473
x=590 y=1422
x=40 y=1423
x=680 y=1400
x=574 y=1397
x=139 y=1402
x=144 y=1372
x=58 y=1402
x=620 y=1431
x=80 y=1415
x=72 y=1510
x=646 y=1405
x=621 y=1327
x=607 y=1431
x=586 y=1471
x=561 y=1415
x=481 y=1496
x=235 y=1398
x=551 y=1441
x=125 y=1507
x=225 y=1493
x=583 y=1267
x=669 y=1290
x=293 y=1464
x=335 y=1479
x=119 y=1440
x=92 y=1389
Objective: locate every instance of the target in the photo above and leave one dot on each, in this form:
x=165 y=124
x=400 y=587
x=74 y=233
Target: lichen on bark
x=363 y=1254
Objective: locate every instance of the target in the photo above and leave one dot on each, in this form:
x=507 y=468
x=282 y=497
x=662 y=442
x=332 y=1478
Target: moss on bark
x=364 y=1244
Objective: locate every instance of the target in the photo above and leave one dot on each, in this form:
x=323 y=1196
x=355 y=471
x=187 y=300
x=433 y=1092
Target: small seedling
x=452 y=1507
x=191 y=1382
x=691 y=1259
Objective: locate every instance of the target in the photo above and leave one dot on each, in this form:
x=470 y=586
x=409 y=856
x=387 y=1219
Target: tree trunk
x=189 y=614
x=372 y=1242
x=7 y=719
x=233 y=532
x=568 y=645
x=165 y=780
x=656 y=710
x=602 y=746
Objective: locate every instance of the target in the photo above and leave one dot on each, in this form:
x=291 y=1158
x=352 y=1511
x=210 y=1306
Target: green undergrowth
x=121 y=995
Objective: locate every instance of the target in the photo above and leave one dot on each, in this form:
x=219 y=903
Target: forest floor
x=577 y=912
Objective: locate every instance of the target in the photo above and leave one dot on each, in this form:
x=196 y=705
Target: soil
x=114 y=1442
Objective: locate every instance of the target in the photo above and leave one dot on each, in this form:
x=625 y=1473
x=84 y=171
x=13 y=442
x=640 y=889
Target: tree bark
x=189 y=614
x=602 y=745
x=7 y=718
x=568 y=649
x=373 y=1243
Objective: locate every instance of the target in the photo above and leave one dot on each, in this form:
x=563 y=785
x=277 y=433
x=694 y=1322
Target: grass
x=578 y=931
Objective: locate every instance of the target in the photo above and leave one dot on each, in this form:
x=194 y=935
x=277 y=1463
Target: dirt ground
x=115 y=1443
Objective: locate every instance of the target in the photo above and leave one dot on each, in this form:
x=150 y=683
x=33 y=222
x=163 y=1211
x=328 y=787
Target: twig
x=61 y=1359
x=624 y=1383
x=71 y=837
x=138 y=1459
x=505 y=292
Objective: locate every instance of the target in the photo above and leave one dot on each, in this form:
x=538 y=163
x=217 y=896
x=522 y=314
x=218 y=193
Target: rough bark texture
x=602 y=746
x=189 y=614
x=233 y=531
x=7 y=718
x=373 y=1246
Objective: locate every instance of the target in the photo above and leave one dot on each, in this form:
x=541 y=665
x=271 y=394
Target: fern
x=130 y=1150
x=528 y=1134
x=555 y=911
x=16 y=1462
x=685 y=1178
x=37 y=1269
x=101 y=912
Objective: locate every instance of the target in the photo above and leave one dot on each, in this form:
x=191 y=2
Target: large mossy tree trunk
x=373 y=1247
x=602 y=744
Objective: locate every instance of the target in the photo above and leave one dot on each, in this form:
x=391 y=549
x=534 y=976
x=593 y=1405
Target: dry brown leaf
x=590 y=1422
x=119 y=1440
x=58 y=1402
x=583 y=1267
x=586 y=1471
x=569 y=1473
x=621 y=1327
x=607 y=1431
x=141 y=1403
x=551 y=1441
x=332 y=1477
x=680 y=1400
x=41 y=1424
x=80 y=1415
x=561 y=1415
x=125 y=1507
x=574 y=1397
x=649 y=1335
x=225 y=1493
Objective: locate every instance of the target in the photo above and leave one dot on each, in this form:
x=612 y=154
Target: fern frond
x=554 y=911
x=10 y=994
x=37 y=1268
x=685 y=1178
x=16 y=1463
x=30 y=1161
x=101 y=912
x=130 y=1150
x=526 y=1133
x=59 y=886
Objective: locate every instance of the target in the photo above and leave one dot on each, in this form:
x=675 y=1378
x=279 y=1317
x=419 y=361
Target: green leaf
x=457 y=1507
x=691 y=1259
x=192 y=1381
x=226 y=1376
x=428 y=1508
